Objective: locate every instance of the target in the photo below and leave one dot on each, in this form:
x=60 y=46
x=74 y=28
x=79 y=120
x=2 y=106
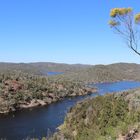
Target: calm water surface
x=39 y=121
x=54 y=73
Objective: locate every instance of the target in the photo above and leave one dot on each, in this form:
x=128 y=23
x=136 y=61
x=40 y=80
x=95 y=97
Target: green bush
x=101 y=118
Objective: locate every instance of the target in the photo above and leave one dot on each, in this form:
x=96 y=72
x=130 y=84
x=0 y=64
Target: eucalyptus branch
x=124 y=18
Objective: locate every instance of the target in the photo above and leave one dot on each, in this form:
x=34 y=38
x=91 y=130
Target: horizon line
x=31 y=62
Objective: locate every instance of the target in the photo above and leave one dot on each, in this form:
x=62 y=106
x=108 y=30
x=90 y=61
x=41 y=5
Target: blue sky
x=64 y=31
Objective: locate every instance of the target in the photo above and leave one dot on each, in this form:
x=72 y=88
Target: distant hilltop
x=104 y=73
x=42 y=67
x=79 y=72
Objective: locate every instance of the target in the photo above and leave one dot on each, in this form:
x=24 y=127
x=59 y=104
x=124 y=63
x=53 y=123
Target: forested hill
x=45 y=67
x=105 y=73
x=42 y=67
x=109 y=117
x=78 y=72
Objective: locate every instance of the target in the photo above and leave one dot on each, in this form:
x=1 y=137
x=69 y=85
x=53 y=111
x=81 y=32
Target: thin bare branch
x=126 y=28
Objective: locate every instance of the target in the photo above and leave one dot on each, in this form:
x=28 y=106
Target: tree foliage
x=20 y=90
x=125 y=23
x=102 y=118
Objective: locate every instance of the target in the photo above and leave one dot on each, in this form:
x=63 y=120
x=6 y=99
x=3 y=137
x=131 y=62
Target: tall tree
x=125 y=23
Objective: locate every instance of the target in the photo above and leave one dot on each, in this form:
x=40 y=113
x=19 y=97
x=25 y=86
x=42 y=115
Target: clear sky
x=65 y=31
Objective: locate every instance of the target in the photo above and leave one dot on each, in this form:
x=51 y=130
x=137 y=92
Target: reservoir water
x=41 y=121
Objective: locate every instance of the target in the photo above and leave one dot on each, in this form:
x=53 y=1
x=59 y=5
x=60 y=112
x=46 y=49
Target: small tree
x=125 y=23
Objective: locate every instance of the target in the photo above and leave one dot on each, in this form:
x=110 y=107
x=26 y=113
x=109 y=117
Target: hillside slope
x=78 y=72
x=21 y=90
x=41 y=67
x=104 y=73
x=108 y=117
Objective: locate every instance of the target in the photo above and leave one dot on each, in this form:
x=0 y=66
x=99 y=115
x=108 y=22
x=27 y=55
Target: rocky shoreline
x=48 y=99
x=53 y=99
x=38 y=102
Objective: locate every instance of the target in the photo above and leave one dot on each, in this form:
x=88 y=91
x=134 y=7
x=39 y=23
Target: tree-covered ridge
x=103 y=118
x=104 y=73
x=84 y=73
x=21 y=90
x=41 y=68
